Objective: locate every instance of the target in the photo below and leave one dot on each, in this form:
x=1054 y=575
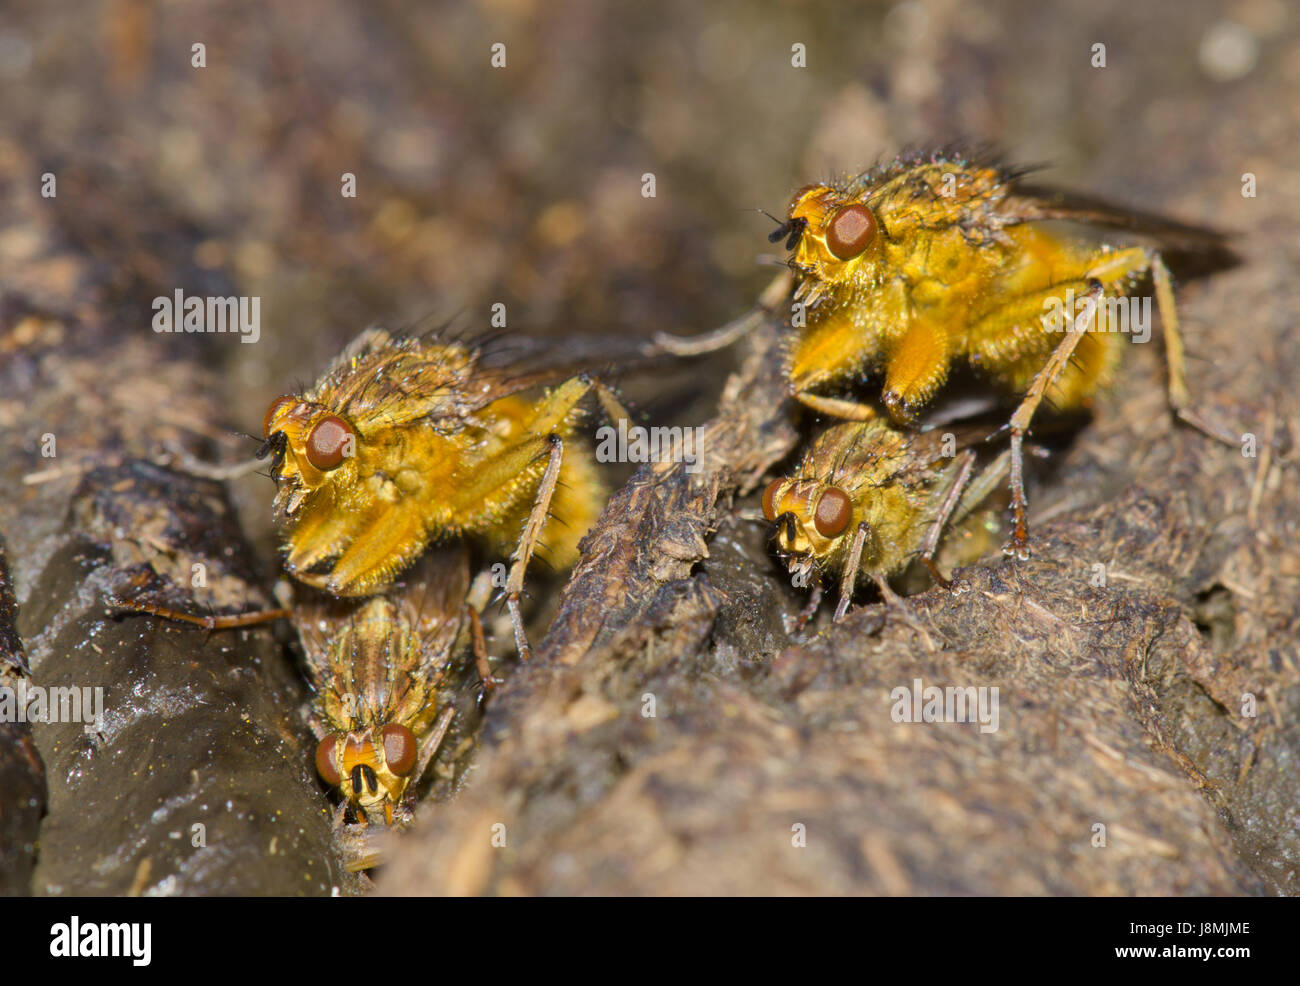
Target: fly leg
x=1179 y=397
x=823 y=354
x=959 y=500
x=339 y=818
x=528 y=542
x=431 y=747
x=814 y=602
x=389 y=543
x=917 y=368
x=849 y=577
x=192 y=464
x=1113 y=269
x=553 y=412
x=487 y=683
x=546 y=427
x=836 y=407
x=951 y=496
x=711 y=342
x=504 y=469
x=1018 y=546
x=227 y=622
x=888 y=596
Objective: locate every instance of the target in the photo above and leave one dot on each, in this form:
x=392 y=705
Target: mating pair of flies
x=405 y=449
x=404 y=452
x=935 y=263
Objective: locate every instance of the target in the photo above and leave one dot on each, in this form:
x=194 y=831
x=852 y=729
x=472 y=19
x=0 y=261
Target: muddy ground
x=1147 y=739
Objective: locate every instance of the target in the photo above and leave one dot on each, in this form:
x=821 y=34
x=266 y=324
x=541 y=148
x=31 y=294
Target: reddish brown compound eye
x=834 y=511
x=326 y=762
x=400 y=749
x=769 y=498
x=273 y=410
x=331 y=441
x=850 y=231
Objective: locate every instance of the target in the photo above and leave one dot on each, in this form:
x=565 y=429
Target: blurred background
x=522 y=184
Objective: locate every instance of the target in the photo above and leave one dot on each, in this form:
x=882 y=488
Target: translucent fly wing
x=432 y=600
x=1191 y=249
